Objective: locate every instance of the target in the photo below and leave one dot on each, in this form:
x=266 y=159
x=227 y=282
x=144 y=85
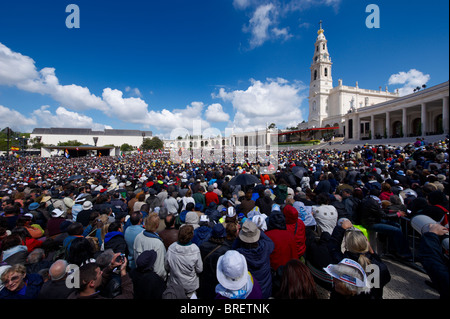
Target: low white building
x=54 y=135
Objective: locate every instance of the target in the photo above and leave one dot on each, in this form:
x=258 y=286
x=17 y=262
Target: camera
x=120 y=258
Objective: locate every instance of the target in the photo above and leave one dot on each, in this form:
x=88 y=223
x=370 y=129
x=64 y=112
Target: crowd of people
x=143 y=227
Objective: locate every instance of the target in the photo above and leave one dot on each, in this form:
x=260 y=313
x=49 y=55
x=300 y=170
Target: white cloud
x=282 y=33
x=215 y=113
x=274 y=101
x=179 y=119
x=410 y=80
x=266 y=17
x=15 y=67
x=65 y=118
x=300 y=5
x=134 y=91
x=45 y=118
x=133 y=110
x=13 y=119
x=241 y=4
x=259 y=25
x=20 y=71
x=71 y=96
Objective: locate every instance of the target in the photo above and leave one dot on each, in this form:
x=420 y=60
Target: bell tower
x=321 y=81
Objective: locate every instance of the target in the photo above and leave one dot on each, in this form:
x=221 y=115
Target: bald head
x=58 y=269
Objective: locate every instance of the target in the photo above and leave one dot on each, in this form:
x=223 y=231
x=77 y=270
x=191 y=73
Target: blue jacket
x=116 y=241
x=201 y=234
x=258 y=262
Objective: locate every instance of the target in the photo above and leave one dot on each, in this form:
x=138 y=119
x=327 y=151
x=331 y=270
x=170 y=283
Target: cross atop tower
x=320 y=28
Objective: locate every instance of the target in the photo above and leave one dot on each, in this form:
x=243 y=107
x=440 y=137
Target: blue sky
x=168 y=65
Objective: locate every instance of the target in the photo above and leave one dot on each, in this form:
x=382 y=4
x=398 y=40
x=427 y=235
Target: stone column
x=372 y=126
x=404 y=123
x=445 y=112
x=356 y=130
x=424 y=118
x=388 y=125
x=346 y=128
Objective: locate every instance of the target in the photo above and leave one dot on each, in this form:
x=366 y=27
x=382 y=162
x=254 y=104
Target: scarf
x=242 y=293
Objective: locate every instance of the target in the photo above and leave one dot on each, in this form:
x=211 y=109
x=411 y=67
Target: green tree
x=14 y=139
x=70 y=143
x=126 y=147
x=154 y=143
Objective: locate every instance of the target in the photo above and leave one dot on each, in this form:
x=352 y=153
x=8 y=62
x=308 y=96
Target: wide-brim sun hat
x=69 y=202
x=232 y=270
x=87 y=205
x=332 y=271
x=249 y=232
x=33 y=206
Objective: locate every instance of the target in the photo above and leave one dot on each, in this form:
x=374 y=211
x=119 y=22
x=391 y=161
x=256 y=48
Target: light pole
x=8 y=134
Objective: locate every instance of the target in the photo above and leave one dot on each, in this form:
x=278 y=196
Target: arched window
x=315 y=74
x=417 y=126
x=397 y=129
x=326 y=72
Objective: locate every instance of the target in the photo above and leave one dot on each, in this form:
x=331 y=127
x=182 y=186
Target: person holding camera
x=92 y=278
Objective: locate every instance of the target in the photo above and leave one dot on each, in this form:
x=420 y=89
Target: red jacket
x=32 y=244
x=285 y=247
x=211 y=197
x=385 y=195
x=296 y=227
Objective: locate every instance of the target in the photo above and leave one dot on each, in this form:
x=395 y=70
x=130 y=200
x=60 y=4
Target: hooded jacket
x=212 y=212
x=258 y=262
x=192 y=219
x=285 y=246
x=184 y=263
x=265 y=204
x=201 y=234
x=296 y=227
x=115 y=240
x=148 y=241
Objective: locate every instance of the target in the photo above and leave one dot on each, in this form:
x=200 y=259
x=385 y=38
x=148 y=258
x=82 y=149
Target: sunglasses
x=13 y=279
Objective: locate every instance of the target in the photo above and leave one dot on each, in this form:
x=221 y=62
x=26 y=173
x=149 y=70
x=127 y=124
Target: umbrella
x=75 y=177
x=94 y=170
x=244 y=180
x=298 y=171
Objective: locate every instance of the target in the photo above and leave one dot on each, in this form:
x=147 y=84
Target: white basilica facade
x=357 y=113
